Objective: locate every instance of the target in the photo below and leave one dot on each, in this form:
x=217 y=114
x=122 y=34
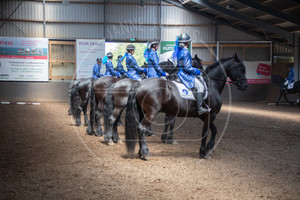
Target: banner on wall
x=258 y=72
x=87 y=51
x=23 y=59
x=166 y=50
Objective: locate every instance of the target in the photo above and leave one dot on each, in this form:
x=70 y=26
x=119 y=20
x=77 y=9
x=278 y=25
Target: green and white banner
x=167 y=49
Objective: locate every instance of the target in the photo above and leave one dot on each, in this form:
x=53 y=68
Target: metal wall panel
x=74 y=31
x=175 y=15
x=22 y=29
x=126 y=32
x=226 y=33
x=198 y=34
x=75 y=12
x=117 y=13
x=29 y=10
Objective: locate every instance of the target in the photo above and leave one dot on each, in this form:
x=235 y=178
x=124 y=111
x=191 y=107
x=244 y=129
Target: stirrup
x=203 y=110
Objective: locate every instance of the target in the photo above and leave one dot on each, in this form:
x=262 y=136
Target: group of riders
x=187 y=74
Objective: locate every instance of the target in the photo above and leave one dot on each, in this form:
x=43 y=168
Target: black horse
x=99 y=90
x=275 y=79
x=116 y=102
x=79 y=98
x=151 y=96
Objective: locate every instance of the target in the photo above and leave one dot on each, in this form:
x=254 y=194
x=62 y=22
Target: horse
x=79 y=98
x=276 y=79
x=116 y=102
x=150 y=96
x=98 y=93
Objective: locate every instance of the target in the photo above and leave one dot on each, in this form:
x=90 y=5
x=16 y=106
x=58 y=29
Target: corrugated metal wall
x=122 y=20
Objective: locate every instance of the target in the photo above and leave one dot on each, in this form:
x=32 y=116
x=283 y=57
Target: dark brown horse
x=151 y=96
x=98 y=93
x=116 y=102
x=79 y=98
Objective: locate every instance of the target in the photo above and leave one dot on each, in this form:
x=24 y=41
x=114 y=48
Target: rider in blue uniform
x=187 y=72
x=97 y=68
x=150 y=54
x=120 y=67
x=109 y=66
x=290 y=78
x=132 y=66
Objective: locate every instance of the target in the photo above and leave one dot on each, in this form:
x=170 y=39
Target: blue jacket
x=133 y=68
x=154 y=69
x=290 y=77
x=110 y=70
x=120 y=68
x=186 y=71
x=96 y=71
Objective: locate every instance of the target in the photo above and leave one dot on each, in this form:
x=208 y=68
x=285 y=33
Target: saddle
x=187 y=93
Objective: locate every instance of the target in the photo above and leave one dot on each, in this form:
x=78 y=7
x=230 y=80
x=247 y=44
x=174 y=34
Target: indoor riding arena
x=150 y=99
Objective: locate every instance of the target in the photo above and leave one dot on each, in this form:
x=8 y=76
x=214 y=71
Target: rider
x=132 y=66
x=187 y=72
x=120 y=66
x=97 y=68
x=150 y=54
x=109 y=66
x=290 y=78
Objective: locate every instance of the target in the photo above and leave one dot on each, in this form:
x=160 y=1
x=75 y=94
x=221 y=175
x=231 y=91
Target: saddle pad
x=184 y=92
x=291 y=85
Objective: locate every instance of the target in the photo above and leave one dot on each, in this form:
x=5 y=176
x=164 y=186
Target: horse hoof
x=110 y=143
x=78 y=124
x=119 y=141
x=99 y=133
x=174 y=142
x=145 y=158
x=144 y=154
x=89 y=131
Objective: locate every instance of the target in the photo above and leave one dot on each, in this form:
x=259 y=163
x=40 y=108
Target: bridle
x=237 y=82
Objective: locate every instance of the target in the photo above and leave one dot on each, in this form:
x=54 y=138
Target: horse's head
x=196 y=62
x=237 y=73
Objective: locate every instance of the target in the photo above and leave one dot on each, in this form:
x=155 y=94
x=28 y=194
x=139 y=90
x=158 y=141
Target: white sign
x=87 y=52
x=258 y=72
x=23 y=59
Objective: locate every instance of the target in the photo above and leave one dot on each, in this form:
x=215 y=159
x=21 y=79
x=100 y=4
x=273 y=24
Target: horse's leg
x=142 y=129
x=112 y=122
x=84 y=109
x=116 y=138
x=203 y=142
x=165 y=133
x=211 y=143
x=149 y=131
x=99 y=131
x=280 y=95
x=170 y=139
x=285 y=97
x=78 y=113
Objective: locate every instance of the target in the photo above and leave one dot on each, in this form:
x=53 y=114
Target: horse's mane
x=212 y=66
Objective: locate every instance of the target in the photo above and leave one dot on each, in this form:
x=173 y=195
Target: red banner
x=264 y=69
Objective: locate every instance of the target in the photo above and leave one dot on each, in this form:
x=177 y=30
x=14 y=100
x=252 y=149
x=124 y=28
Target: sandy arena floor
x=44 y=156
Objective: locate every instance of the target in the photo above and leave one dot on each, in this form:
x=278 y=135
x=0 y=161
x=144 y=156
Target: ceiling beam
x=212 y=17
x=270 y=11
x=285 y=34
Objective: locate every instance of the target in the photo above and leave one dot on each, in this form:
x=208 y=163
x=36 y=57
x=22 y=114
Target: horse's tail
x=90 y=128
x=132 y=119
x=69 y=95
x=75 y=100
x=108 y=105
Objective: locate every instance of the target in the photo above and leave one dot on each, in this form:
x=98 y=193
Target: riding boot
x=199 y=99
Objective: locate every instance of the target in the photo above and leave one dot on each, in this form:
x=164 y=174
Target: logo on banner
x=263 y=69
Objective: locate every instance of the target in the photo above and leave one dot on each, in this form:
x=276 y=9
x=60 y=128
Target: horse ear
x=197 y=58
x=145 y=63
x=235 y=55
